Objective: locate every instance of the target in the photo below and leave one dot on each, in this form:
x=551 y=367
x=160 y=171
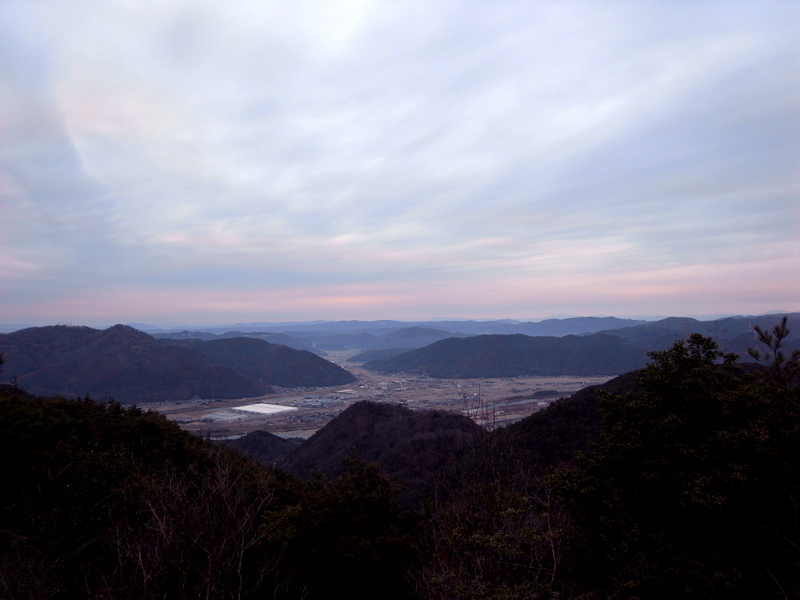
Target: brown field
x=493 y=402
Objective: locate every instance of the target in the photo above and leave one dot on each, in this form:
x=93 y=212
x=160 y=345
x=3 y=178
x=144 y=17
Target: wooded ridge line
x=131 y=366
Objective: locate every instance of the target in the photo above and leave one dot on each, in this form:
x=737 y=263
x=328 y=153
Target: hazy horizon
x=173 y=326
x=211 y=162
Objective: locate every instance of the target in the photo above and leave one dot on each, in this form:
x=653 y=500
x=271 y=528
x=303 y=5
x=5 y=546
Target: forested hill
x=270 y=363
x=412 y=447
x=103 y=501
x=732 y=334
x=420 y=448
x=513 y=355
x=131 y=366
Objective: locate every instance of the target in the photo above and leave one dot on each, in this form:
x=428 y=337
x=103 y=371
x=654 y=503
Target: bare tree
x=199 y=535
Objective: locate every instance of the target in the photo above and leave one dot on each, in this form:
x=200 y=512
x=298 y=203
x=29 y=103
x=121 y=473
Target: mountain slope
x=553 y=435
x=265 y=447
x=131 y=366
x=412 y=337
x=512 y=355
x=378 y=354
x=271 y=364
x=411 y=446
x=733 y=334
x=118 y=362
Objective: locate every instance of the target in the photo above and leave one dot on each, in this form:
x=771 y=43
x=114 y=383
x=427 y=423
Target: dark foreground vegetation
x=679 y=481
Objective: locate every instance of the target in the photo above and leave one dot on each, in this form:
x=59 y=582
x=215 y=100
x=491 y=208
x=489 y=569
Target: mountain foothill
x=517 y=354
x=606 y=352
x=131 y=366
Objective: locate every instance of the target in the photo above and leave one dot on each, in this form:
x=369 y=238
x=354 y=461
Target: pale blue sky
x=216 y=162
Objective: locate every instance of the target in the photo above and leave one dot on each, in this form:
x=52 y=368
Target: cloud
x=254 y=148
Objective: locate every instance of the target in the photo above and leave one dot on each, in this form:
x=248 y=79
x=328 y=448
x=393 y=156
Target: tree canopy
x=692 y=491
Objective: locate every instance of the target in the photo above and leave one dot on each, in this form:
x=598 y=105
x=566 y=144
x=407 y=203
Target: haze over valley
x=488 y=370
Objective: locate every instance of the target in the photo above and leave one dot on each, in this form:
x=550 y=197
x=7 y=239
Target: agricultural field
x=300 y=412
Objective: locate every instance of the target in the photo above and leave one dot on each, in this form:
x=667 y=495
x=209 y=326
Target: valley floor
x=490 y=402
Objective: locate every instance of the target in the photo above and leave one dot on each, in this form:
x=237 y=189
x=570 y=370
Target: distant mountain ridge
x=365 y=336
x=732 y=334
x=566 y=326
x=610 y=352
x=320 y=342
x=132 y=366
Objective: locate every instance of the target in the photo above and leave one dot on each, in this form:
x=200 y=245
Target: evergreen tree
x=692 y=491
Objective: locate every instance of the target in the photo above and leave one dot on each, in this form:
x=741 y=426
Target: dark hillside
x=26 y=350
x=692 y=490
x=512 y=355
x=732 y=334
x=131 y=366
x=272 y=338
x=118 y=362
x=265 y=447
x=411 y=446
x=658 y=335
x=87 y=490
x=552 y=436
x=103 y=501
x=271 y=364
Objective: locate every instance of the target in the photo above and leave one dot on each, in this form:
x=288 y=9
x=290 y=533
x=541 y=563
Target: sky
x=214 y=162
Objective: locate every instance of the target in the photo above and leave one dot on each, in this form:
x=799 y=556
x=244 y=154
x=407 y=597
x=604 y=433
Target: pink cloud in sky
x=673 y=290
